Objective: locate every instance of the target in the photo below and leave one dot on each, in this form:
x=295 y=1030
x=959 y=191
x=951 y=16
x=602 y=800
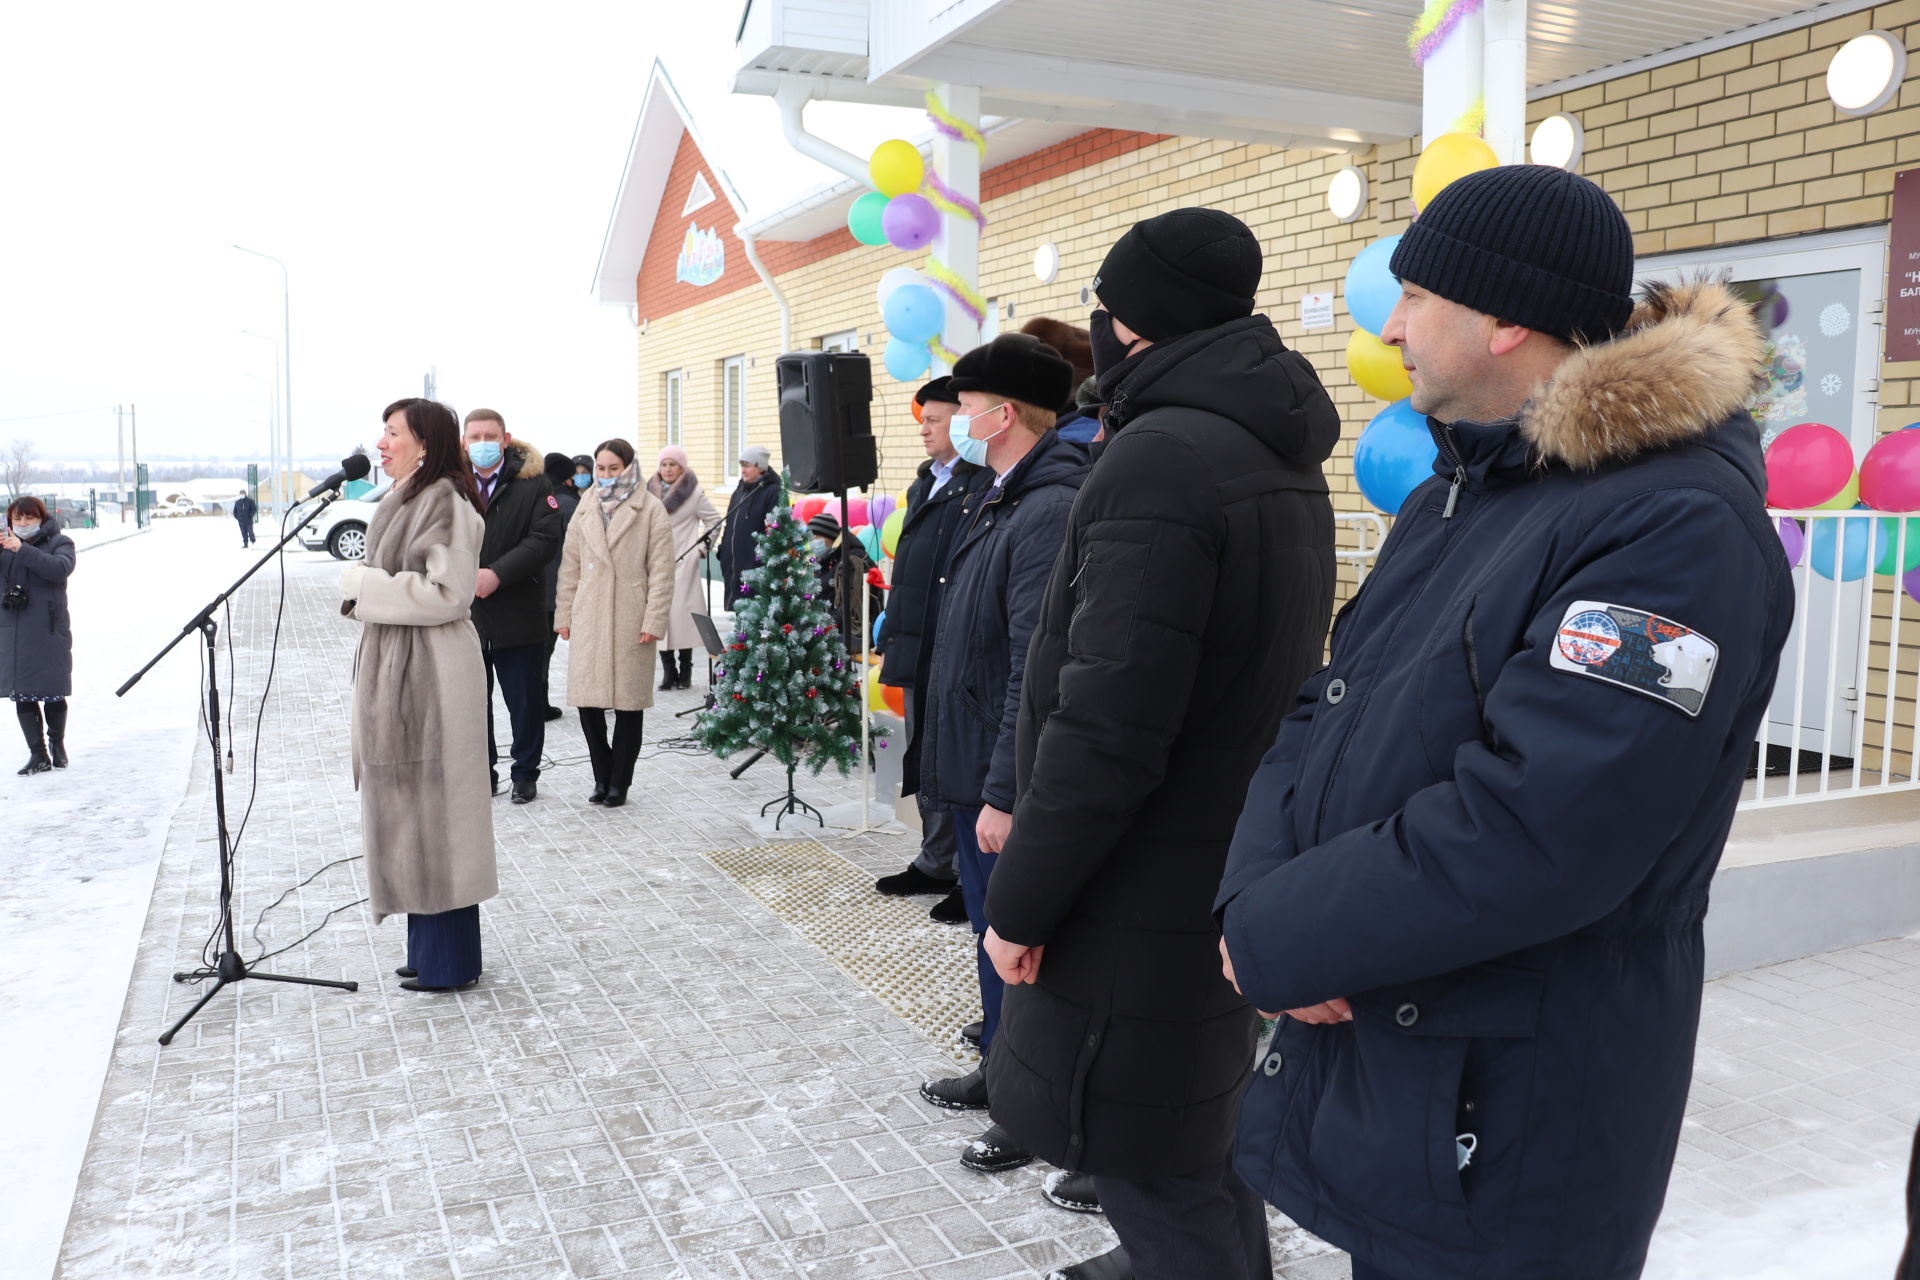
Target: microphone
x=354 y=466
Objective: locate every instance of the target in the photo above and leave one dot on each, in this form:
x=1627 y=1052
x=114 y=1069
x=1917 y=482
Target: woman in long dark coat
x=36 y=631
x=420 y=701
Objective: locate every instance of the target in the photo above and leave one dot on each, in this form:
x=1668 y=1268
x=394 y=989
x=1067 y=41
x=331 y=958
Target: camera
x=16 y=597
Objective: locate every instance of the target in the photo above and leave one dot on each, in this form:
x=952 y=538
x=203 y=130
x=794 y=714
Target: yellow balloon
x=1843 y=500
x=890 y=531
x=1377 y=368
x=876 y=695
x=1447 y=157
x=896 y=168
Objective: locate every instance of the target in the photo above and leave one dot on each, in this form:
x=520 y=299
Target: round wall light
x=1046 y=263
x=1558 y=142
x=1866 y=73
x=1347 y=194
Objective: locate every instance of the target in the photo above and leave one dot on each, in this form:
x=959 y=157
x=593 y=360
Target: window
x=733 y=410
x=845 y=340
x=671 y=409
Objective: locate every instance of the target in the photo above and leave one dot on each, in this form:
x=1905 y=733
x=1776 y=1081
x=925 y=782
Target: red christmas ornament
x=788 y=628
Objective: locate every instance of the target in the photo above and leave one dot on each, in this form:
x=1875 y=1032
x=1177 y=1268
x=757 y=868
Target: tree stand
x=790 y=803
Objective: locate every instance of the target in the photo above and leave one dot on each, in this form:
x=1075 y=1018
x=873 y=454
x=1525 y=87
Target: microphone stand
x=230 y=968
x=705 y=541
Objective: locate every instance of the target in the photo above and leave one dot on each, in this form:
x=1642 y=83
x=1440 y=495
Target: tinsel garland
x=1435 y=23
x=953 y=126
x=947 y=200
x=948 y=281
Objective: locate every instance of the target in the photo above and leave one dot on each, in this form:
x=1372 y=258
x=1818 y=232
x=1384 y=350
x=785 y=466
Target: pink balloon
x=1807 y=465
x=856 y=512
x=1793 y=540
x=910 y=221
x=1890 y=476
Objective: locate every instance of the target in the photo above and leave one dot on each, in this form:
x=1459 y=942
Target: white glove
x=350 y=578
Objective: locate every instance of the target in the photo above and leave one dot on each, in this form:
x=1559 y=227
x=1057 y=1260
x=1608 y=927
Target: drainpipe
x=752 y=247
x=792 y=98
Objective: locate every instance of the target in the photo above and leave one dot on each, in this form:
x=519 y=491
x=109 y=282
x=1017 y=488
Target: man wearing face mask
x=524 y=529
x=1189 y=600
x=962 y=759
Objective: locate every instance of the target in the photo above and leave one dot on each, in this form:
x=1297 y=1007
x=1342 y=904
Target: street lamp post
x=286 y=362
x=273 y=411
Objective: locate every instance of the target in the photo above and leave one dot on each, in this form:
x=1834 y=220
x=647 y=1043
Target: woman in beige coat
x=692 y=514
x=616 y=588
x=420 y=701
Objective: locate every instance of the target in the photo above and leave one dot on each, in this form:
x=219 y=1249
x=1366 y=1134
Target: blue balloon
x=1850 y=549
x=878 y=623
x=1371 y=287
x=1394 y=455
x=907 y=361
x=915 y=313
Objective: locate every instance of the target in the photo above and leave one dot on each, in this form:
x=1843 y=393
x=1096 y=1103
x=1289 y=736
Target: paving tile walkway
x=659 y=1077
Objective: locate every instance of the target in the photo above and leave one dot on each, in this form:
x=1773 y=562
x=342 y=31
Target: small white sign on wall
x=1316 y=311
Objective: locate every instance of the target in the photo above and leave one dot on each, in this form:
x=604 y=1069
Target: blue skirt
x=445 y=948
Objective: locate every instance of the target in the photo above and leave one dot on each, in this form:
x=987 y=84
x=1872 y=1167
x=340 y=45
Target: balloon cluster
x=1810 y=468
x=895 y=213
x=1396 y=451
x=875 y=521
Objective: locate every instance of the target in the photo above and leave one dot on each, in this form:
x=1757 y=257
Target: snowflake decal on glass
x=1830 y=384
x=1835 y=320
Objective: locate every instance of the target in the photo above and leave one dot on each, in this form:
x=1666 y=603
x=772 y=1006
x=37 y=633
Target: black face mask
x=1108 y=350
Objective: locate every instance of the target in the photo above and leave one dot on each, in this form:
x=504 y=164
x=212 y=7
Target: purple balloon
x=1911 y=581
x=879 y=507
x=1793 y=539
x=910 y=221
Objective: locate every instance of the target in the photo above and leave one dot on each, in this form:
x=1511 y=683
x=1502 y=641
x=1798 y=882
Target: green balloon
x=1908 y=557
x=864 y=218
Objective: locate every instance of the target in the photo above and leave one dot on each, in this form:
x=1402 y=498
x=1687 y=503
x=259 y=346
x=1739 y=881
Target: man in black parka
x=510 y=596
x=1189 y=601
x=1473 y=868
x=936 y=502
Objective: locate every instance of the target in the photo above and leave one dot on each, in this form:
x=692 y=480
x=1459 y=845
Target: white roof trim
x=656 y=138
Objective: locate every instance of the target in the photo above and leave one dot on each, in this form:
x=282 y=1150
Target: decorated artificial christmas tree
x=785 y=684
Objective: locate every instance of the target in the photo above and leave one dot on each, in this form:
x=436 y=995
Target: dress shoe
x=1112 y=1265
x=406 y=971
x=554 y=713
x=615 y=797
x=599 y=793
x=1073 y=1192
x=910 y=882
x=411 y=985
x=958 y=1093
x=972 y=1032
x=495 y=783
x=951 y=909
x=524 y=790
x=995 y=1151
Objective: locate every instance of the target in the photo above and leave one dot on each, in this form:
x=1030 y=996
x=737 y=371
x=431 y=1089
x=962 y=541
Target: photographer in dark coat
x=510 y=597
x=245 y=510
x=962 y=759
x=1472 y=870
x=747 y=512
x=36 y=629
x=1188 y=602
x=937 y=503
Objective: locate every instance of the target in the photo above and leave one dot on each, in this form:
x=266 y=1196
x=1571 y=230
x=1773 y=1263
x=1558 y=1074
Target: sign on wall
x=1903 y=269
x=703 y=257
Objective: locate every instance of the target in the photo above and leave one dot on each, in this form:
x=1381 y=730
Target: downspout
x=792 y=98
x=752 y=248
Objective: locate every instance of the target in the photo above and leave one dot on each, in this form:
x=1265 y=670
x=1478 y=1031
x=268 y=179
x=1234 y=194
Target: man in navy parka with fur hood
x=1473 y=867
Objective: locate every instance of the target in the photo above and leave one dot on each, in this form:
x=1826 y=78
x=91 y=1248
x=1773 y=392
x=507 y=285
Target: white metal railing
x=1837 y=707
x=1362 y=556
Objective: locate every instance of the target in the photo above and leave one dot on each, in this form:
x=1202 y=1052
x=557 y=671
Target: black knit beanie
x=1179 y=273
x=1527 y=244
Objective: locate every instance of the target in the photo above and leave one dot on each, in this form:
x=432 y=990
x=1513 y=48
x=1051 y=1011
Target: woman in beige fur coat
x=420 y=701
x=616 y=591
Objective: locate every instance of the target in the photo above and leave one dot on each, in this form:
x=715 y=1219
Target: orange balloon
x=916 y=411
x=896 y=698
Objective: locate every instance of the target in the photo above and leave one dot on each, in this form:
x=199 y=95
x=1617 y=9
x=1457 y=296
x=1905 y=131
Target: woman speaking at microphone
x=420 y=701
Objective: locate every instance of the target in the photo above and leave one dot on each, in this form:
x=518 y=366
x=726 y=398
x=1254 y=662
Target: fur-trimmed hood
x=530 y=462
x=1690 y=359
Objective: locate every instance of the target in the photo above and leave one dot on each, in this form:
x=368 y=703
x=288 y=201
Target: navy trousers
x=246 y=533
x=1198 y=1226
x=445 y=947
x=975 y=868
x=522 y=672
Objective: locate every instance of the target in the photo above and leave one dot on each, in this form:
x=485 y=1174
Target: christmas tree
x=785 y=684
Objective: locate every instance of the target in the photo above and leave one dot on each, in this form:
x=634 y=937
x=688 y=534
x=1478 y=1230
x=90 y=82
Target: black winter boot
x=686 y=670
x=626 y=751
x=670 y=678
x=57 y=732
x=37 y=762
x=593 y=727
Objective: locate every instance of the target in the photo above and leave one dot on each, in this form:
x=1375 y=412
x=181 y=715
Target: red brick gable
x=660 y=294
x=656 y=290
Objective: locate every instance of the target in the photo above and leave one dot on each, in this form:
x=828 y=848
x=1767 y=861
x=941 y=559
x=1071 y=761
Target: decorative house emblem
x=703 y=257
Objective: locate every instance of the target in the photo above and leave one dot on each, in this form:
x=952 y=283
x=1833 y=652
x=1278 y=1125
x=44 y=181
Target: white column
x=1453 y=78
x=958 y=244
x=1506 y=79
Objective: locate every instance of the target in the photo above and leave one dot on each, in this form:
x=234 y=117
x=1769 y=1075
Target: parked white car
x=341 y=530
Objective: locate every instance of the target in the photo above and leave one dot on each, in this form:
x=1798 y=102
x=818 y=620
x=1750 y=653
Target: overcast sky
x=437 y=177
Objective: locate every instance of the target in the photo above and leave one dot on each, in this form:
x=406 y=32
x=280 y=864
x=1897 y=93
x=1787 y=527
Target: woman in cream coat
x=616 y=589
x=419 y=701
x=692 y=514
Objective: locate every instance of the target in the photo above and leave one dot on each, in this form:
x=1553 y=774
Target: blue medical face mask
x=26 y=532
x=605 y=482
x=582 y=480
x=959 y=434
x=485 y=454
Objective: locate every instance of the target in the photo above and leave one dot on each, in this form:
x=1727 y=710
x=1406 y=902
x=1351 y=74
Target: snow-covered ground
x=82 y=846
